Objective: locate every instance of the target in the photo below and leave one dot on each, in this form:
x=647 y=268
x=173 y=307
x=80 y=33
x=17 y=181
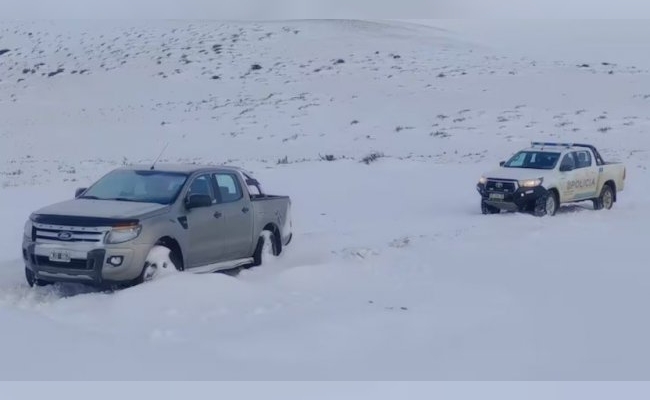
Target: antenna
x=161 y=153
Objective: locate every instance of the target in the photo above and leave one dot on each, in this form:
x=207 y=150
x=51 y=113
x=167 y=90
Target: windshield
x=140 y=186
x=533 y=159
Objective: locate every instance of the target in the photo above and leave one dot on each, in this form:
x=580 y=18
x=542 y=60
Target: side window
x=228 y=187
x=568 y=160
x=201 y=185
x=583 y=159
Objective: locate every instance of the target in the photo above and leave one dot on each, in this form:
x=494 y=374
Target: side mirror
x=197 y=201
x=566 y=167
x=502 y=163
x=79 y=192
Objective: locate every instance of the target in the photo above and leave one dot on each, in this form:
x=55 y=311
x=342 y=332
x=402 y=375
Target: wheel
x=148 y=272
x=31 y=280
x=605 y=200
x=266 y=246
x=488 y=209
x=546 y=205
x=160 y=259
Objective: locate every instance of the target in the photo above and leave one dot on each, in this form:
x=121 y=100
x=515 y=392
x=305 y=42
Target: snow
x=161 y=264
x=393 y=273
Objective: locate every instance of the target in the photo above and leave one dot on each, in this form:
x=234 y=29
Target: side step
x=225 y=265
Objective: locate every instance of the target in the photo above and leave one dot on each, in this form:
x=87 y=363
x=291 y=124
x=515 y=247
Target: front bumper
x=87 y=264
x=521 y=199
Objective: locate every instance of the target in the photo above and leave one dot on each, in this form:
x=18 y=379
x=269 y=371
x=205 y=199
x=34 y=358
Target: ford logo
x=64 y=235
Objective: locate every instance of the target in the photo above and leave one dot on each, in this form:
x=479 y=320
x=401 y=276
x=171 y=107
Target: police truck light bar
x=543 y=144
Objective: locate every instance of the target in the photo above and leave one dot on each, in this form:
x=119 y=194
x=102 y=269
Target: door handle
x=217 y=214
x=244 y=210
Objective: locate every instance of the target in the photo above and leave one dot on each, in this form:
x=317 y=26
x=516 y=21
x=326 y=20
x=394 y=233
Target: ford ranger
x=209 y=218
x=540 y=178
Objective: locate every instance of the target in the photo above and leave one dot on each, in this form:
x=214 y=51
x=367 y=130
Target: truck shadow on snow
x=68 y=289
x=565 y=209
x=574 y=208
x=63 y=290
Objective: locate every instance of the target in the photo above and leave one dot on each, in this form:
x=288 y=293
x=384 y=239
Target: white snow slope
x=393 y=272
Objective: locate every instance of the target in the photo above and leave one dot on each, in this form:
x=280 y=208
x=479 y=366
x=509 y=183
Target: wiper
x=88 y=197
x=121 y=199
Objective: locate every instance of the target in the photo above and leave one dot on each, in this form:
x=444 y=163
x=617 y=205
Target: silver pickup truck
x=208 y=218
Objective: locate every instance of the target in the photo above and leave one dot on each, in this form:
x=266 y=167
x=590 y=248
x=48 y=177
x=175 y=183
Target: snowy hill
x=393 y=273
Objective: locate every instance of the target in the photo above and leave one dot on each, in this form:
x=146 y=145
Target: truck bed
x=274 y=209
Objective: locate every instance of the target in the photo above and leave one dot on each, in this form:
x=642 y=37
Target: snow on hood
x=518 y=173
x=100 y=208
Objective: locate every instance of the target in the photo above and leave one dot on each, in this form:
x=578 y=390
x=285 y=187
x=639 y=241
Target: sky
x=297 y=9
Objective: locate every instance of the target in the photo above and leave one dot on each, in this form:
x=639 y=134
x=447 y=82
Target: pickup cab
x=540 y=178
x=205 y=219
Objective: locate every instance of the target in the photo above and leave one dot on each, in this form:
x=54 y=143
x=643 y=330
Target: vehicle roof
x=554 y=147
x=187 y=168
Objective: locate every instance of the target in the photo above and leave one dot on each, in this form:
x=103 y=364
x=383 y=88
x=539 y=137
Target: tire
x=264 y=247
x=605 y=200
x=149 y=270
x=488 y=209
x=547 y=205
x=32 y=281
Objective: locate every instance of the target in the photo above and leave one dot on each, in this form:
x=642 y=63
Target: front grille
x=73 y=264
x=67 y=234
x=505 y=186
x=88 y=222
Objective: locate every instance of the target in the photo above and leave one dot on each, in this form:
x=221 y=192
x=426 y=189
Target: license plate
x=497 y=196
x=60 y=256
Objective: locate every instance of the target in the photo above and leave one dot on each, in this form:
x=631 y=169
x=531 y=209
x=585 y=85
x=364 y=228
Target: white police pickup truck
x=540 y=178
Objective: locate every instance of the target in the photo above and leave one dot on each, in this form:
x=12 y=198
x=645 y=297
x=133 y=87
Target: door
x=567 y=178
x=238 y=216
x=586 y=175
x=204 y=225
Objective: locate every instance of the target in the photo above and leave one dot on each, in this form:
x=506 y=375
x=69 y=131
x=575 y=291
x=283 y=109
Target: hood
x=518 y=173
x=110 y=209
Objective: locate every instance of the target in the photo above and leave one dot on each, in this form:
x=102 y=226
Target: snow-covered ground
x=393 y=272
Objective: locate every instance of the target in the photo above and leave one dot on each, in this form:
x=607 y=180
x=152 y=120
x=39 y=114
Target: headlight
x=28 y=229
x=121 y=234
x=529 y=183
x=483 y=180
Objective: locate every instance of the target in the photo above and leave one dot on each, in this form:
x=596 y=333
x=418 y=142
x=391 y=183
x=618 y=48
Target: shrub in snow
x=53 y=73
x=440 y=134
x=372 y=157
